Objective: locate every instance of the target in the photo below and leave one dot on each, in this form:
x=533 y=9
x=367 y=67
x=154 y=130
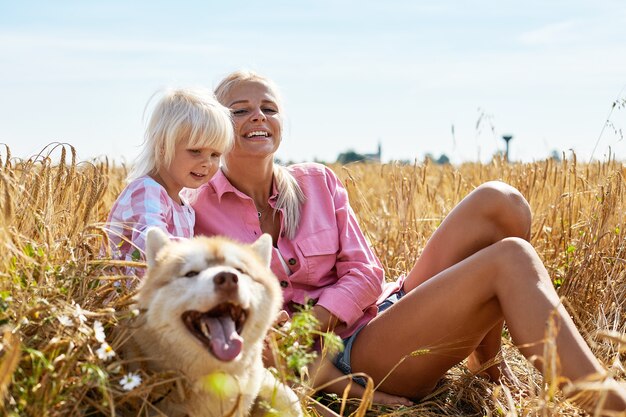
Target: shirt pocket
x=319 y=255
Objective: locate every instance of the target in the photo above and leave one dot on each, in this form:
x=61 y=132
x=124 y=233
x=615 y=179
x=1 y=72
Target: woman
x=453 y=301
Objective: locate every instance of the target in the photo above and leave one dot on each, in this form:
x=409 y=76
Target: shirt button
x=292 y=261
x=284 y=284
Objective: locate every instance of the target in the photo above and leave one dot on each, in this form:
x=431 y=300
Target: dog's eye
x=191 y=274
x=241 y=270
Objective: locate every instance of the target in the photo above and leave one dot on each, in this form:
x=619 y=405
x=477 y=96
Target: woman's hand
x=281 y=318
x=327 y=321
x=268 y=346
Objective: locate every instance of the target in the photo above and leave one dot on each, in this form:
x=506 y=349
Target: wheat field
x=61 y=308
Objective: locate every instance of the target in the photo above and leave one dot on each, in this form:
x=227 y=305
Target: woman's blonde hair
x=290 y=195
x=192 y=115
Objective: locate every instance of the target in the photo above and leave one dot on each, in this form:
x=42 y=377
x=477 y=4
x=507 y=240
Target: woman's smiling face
x=256 y=117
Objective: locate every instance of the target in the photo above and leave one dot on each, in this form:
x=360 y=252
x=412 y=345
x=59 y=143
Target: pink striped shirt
x=142 y=204
x=329 y=259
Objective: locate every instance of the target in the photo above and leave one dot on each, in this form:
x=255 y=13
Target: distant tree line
x=351 y=156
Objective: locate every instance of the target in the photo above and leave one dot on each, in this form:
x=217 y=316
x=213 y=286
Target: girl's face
x=190 y=168
x=256 y=118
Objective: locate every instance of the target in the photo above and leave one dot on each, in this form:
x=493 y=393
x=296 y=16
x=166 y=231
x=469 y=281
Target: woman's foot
x=382 y=398
x=357 y=391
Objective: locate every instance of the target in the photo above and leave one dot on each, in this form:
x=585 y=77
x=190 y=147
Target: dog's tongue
x=225 y=340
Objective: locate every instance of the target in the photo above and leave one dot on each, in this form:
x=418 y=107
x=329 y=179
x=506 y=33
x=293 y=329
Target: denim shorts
x=342 y=360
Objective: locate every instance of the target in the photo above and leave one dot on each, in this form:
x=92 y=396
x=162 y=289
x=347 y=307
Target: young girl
x=186 y=135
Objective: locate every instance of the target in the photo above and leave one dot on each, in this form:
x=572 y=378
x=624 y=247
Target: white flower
x=105 y=352
x=65 y=321
x=98 y=330
x=130 y=381
x=79 y=313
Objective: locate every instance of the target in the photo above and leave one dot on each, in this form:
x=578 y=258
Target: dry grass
x=54 y=287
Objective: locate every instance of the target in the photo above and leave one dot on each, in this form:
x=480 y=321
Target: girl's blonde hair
x=192 y=115
x=290 y=195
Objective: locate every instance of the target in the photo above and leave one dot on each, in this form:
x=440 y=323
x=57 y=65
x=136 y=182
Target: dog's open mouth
x=218 y=329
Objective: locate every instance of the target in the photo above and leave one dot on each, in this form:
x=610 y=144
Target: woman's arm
x=328 y=322
x=360 y=274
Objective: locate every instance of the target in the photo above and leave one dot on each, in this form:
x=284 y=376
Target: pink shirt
x=329 y=259
x=142 y=204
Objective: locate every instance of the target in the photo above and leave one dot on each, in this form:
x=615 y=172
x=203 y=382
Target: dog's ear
x=263 y=248
x=155 y=240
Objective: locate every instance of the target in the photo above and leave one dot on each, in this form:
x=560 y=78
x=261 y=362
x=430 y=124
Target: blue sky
x=421 y=77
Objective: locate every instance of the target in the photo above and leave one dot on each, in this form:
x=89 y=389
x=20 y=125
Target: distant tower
x=507 y=139
x=379 y=153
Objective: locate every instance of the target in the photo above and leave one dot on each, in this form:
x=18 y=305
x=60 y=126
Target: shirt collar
x=221 y=185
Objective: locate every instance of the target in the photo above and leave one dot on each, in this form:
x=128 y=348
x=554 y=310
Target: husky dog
x=207 y=305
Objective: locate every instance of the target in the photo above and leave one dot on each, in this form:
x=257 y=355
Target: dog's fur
x=216 y=276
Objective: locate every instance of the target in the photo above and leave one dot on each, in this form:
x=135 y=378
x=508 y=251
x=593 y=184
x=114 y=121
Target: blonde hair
x=290 y=195
x=193 y=115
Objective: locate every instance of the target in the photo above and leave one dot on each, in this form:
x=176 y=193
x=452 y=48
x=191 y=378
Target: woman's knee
x=516 y=257
x=506 y=207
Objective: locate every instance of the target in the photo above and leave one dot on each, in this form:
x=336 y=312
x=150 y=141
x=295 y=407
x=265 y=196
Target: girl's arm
x=143 y=204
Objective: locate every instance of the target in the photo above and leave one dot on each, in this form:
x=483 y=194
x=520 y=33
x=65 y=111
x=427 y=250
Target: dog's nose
x=225 y=281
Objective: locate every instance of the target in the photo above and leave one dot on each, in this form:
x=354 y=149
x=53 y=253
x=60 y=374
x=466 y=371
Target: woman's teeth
x=256 y=133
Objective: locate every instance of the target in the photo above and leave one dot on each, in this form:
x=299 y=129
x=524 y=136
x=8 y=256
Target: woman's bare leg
x=443 y=320
x=490 y=213
x=325 y=376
